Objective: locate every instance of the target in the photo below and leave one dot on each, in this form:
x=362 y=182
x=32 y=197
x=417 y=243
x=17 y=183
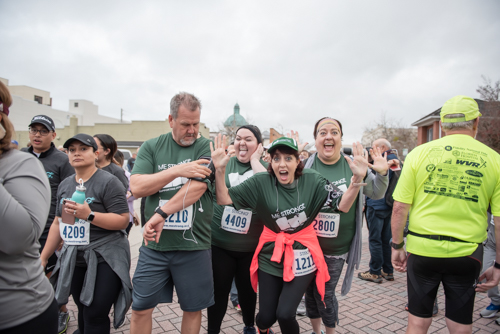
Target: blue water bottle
x=79 y=195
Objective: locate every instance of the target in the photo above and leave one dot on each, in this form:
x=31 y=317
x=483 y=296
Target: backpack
x=393 y=181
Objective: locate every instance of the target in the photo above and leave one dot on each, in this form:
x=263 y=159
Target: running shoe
x=322 y=332
x=389 y=277
x=62 y=322
x=367 y=276
x=238 y=308
x=301 y=309
x=268 y=331
x=490 y=311
x=249 y=330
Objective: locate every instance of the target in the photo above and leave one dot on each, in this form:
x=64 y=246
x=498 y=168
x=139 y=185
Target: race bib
x=77 y=234
x=326 y=225
x=303 y=262
x=236 y=221
x=181 y=220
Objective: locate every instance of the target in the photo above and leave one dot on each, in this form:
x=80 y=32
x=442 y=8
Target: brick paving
x=368 y=308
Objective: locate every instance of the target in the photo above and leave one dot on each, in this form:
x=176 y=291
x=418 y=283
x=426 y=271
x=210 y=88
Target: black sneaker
x=249 y=330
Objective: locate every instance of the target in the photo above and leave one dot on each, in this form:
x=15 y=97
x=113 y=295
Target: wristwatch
x=159 y=211
x=397 y=246
x=91 y=216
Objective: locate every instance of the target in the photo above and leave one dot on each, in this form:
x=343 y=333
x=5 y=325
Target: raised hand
x=379 y=164
x=257 y=154
x=295 y=135
x=219 y=157
x=359 y=165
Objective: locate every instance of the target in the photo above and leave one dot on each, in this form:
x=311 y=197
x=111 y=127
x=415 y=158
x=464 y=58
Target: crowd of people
x=278 y=221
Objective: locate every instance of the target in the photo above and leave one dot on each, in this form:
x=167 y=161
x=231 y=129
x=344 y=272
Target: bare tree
x=489 y=124
x=400 y=136
x=489 y=92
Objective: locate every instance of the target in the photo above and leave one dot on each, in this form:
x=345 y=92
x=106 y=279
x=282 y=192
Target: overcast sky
x=287 y=63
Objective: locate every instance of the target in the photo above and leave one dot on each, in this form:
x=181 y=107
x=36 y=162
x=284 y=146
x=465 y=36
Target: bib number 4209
x=73 y=232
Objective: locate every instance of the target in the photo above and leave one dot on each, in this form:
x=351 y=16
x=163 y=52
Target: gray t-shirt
x=118 y=172
x=104 y=194
x=25 y=292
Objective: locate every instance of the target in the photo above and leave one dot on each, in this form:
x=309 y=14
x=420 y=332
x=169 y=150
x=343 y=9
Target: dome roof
x=235 y=120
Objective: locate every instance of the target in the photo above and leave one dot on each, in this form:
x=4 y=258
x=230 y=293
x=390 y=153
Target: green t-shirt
x=340 y=175
x=295 y=206
x=223 y=234
x=450 y=182
x=161 y=153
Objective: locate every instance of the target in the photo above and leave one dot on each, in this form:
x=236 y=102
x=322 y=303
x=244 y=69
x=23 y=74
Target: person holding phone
x=235 y=234
x=27 y=303
x=287 y=198
x=94 y=262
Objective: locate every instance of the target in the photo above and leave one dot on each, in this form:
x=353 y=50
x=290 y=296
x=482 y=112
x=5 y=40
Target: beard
x=188 y=140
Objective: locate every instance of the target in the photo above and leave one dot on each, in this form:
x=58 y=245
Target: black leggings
x=45 y=323
x=94 y=318
x=278 y=300
x=226 y=265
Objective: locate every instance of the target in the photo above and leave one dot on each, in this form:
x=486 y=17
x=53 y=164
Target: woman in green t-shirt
x=287 y=198
x=337 y=231
x=235 y=235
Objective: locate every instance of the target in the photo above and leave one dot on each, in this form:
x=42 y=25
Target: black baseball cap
x=82 y=138
x=45 y=121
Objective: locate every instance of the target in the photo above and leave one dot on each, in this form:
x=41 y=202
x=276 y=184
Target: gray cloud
x=286 y=63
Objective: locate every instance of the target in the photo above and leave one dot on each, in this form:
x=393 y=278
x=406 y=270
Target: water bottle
x=79 y=195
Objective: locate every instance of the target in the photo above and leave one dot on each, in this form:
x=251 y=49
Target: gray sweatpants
x=489 y=256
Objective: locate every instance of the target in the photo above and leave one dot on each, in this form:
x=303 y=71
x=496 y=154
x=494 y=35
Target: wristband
x=496 y=265
x=397 y=246
x=161 y=213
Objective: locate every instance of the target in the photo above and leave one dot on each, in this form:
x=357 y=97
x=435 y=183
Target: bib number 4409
x=236 y=221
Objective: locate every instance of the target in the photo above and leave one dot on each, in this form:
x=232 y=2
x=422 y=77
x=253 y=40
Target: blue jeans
x=379 y=228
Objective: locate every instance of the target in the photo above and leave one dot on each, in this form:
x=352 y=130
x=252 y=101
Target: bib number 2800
x=326 y=225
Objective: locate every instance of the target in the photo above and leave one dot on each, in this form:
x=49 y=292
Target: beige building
x=83 y=117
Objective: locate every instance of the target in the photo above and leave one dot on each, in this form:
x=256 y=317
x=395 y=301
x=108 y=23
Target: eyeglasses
x=43 y=132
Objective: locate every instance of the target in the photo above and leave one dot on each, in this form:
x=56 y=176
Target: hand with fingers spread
x=359 y=165
x=379 y=164
x=219 y=157
x=295 y=135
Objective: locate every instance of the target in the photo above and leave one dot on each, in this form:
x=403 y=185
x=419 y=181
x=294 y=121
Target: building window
x=429 y=134
x=38 y=99
x=76 y=104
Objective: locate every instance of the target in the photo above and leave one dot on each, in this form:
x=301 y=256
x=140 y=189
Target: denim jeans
x=379 y=228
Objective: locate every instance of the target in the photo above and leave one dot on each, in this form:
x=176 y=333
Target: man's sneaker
x=490 y=311
x=322 y=332
x=389 y=277
x=367 y=276
x=62 y=322
x=301 y=309
x=249 y=330
x=238 y=308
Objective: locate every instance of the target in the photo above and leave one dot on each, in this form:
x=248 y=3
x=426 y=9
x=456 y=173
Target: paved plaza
x=368 y=308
